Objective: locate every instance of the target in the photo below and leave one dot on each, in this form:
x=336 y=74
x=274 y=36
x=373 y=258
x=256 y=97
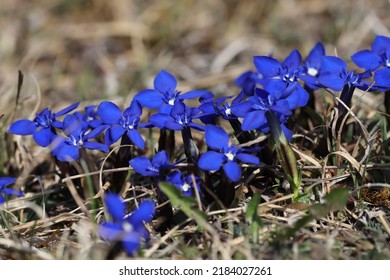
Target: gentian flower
x=220 y=106
x=282 y=78
x=4 y=182
x=129 y=229
x=378 y=58
x=184 y=183
x=248 y=81
x=179 y=117
x=164 y=95
x=254 y=109
x=312 y=66
x=223 y=154
x=42 y=127
x=145 y=167
x=121 y=123
x=89 y=117
x=335 y=75
x=67 y=148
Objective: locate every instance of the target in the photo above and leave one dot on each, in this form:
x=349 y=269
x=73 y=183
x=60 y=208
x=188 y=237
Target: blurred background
x=84 y=50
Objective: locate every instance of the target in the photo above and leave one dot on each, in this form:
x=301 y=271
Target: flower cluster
x=274 y=87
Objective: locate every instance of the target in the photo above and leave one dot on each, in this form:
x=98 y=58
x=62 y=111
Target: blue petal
x=197 y=126
x=159 y=120
x=95 y=132
x=170 y=124
x=43 y=137
x=298 y=98
x=160 y=158
x=247 y=158
x=165 y=82
x=380 y=44
x=216 y=137
x=115 y=206
x=315 y=55
x=366 y=59
x=144 y=213
x=136 y=138
x=110 y=231
x=141 y=165
x=267 y=66
x=67 y=153
x=331 y=81
x=67 y=109
x=175 y=178
x=149 y=98
x=109 y=112
x=287 y=132
x=333 y=64
x=194 y=94
x=23 y=127
x=253 y=120
x=211 y=161
x=382 y=77
x=232 y=171
x=293 y=60
x=241 y=109
x=131 y=242
x=113 y=134
x=12 y=192
x=5 y=181
x=135 y=108
x=72 y=125
x=96 y=146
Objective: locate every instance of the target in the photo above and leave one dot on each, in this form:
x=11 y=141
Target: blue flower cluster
x=276 y=87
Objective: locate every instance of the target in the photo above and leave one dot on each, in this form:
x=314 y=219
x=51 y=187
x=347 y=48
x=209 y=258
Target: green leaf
x=337 y=199
x=253 y=218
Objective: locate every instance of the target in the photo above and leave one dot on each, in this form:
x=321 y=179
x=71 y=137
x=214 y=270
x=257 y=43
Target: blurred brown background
x=94 y=50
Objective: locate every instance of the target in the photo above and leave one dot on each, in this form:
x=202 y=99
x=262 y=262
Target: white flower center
x=131 y=126
x=388 y=63
x=312 y=71
x=127 y=227
x=171 y=102
x=185 y=187
x=228 y=111
x=229 y=155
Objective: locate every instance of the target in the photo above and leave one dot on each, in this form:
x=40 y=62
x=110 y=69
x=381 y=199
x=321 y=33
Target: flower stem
x=242 y=136
x=285 y=154
x=122 y=160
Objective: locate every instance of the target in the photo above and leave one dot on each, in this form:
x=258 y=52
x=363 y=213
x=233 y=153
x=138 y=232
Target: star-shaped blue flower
x=184 y=183
x=129 y=229
x=154 y=167
x=224 y=154
x=43 y=126
x=67 y=148
x=164 y=93
x=377 y=59
x=120 y=123
x=282 y=79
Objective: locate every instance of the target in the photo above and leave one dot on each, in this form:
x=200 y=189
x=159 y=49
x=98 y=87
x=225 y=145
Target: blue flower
x=121 y=123
x=89 y=117
x=377 y=59
x=220 y=107
x=253 y=111
x=67 y=148
x=164 y=93
x=4 y=182
x=145 y=167
x=129 y=229
x=178 y=118
x=42 y=127
x=184 y=183
x=282 y=78
x=335 y=75
x=223 y=154
x=312 y=66
x=248 y=81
